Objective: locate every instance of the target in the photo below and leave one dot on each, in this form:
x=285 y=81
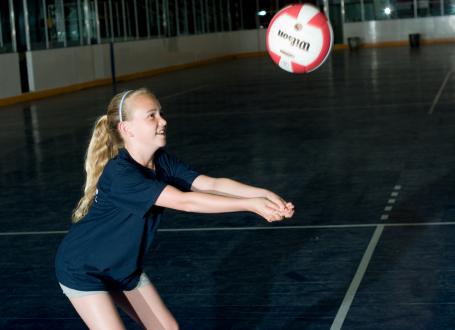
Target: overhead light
x=262 y=13
x=387 y=11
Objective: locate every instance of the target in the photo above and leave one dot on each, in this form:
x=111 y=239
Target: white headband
x=121 y=105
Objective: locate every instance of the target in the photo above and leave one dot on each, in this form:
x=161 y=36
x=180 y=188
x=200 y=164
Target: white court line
x=183 y=92
x=438 y=95
x=280 y=110
x=173 y=230
x=14 y=233
x=350 y=294
x=358 y=277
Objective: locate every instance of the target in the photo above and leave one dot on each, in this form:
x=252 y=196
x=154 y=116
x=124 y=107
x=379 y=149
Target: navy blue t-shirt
x=105 y=250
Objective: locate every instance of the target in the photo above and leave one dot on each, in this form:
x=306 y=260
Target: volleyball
x=299 y=38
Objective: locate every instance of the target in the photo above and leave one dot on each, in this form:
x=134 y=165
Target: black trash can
x=414 y=40
x=353 y=43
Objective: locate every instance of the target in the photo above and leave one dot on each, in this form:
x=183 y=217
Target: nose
x=163 y=121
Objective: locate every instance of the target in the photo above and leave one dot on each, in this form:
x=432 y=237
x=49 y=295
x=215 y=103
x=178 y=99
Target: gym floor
x=364 y=147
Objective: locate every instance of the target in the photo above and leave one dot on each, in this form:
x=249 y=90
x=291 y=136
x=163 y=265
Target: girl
x=130 y=180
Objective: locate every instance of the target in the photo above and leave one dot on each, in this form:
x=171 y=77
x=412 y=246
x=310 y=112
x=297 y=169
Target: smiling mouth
x=162 y=132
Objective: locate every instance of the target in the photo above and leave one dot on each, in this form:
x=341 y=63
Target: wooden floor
x=364 y=147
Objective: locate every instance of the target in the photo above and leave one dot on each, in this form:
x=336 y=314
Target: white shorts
x=70 y=293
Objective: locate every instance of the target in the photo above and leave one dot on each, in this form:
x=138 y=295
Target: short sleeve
x=178 y=173
x=135 y=192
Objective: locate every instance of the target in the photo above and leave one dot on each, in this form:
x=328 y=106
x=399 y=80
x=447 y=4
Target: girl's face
x=146 y=126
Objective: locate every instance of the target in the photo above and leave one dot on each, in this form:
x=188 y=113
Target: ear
x=125 y=129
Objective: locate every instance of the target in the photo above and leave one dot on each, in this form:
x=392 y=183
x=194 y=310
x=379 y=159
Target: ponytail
x=100 y=150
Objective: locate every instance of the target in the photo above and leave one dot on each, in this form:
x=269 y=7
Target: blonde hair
x=104 y=145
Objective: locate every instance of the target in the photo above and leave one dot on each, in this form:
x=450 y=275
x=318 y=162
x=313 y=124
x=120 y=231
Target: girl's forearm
x=228 y=187
x=201 y=202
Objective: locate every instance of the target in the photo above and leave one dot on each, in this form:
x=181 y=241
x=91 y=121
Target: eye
x=152 y=115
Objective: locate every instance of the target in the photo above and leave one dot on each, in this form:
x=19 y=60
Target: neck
x=143 y=157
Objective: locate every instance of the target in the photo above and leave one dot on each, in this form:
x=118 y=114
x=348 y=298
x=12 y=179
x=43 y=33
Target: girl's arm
x=232 y=188
x=200 y=202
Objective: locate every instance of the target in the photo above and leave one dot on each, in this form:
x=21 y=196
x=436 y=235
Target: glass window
x=198 y=16
x=218 y=6
x=55 y=24
x=353 y=11
x=5 y=28
x=190 y=17
x=336 y=21
x=449 y=7
x=104 y=20
x=388 y=9
x=132 y=27
x=368 y=8
x=214 y=14
x=172 y=18
x=223 y=11
x=209 y=15
x=64 y=23
x=404 y=8
x=205 y=19
x=181 y=19
x=143 y=17
x=236 y=14
x=284 y=3
x=436 y=7
x=73 y=22
x=155 y=18
x=36 y=25
x=267 y=9
x=228 y=14
x=61 y=23
x=379 y=9
x=428 y=8
x=117 y=19
x=423 y=8
x=218 y=9
x=93 y=26
x=164 y=24
x=249 y=14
